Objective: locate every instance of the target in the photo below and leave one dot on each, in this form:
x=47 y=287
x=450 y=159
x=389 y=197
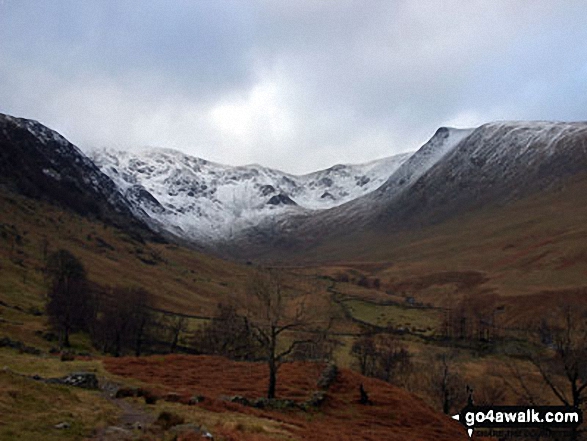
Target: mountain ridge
x=207 y=201
x=492 y=165
x=249 y=211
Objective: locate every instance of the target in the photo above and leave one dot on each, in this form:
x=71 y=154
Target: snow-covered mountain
x=254 y=210
x=309 y=227
x=455 y=172
x=206 y=201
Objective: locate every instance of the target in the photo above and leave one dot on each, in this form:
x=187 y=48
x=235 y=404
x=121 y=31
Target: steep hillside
x=498 y=163
x=181 y=280
x=455 y=173
x=38 y=162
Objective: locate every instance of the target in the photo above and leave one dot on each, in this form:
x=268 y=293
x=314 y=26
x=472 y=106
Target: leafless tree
x=569 y=360
x=446 y=384
x=382 y=356
x=70 y=303
x=178 y=325
x=123 y=321
x=364 y=352
x=392 y=357
x=320 y=349
x=560 y=359
x=279 y=320
x=227 y=334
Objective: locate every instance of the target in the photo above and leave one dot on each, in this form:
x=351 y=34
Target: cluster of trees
x=381 y=356
x=228 y=334
x=274 y=324
x=119 y=320
x=472 y=319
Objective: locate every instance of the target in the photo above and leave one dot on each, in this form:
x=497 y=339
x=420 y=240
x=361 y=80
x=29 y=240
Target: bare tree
x=124 y=321
x=392 y=357
x=227 y=334
x=446 y=384
x=560 y=359
x=320 y=349
x=382 y=356
x=178 y=326
x=70 y=303
x=364 y=351
x=569 y=360
x=280 y=321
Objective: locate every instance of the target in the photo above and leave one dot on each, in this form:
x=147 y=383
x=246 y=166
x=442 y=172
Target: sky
x=294 y=85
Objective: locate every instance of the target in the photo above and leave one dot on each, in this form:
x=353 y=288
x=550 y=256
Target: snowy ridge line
x=207 y=201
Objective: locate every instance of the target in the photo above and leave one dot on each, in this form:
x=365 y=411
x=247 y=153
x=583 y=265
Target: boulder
x=84 y=380
x=327 y=376
x=195 y=399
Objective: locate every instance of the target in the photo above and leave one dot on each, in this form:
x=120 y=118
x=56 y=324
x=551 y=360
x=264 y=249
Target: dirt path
x=131 y=419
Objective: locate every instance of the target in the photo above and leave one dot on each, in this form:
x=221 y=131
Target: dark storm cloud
x=295 y=85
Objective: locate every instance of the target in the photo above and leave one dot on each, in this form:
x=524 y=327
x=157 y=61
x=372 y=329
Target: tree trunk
x=272 y=379
x=66 y=343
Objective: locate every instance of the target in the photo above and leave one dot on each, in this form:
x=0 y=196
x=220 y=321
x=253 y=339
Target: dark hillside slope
x=39 y=163
x=493 y=166
x=497 y=164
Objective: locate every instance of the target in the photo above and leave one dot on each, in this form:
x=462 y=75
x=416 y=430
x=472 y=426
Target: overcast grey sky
x=297 y=85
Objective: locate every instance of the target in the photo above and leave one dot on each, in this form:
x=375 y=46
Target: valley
x=472 y=286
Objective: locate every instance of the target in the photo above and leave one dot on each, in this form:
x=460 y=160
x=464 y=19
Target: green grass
x=422 y=320
x=30 y=410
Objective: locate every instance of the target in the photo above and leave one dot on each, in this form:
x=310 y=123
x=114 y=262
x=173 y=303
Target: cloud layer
x=293 y=85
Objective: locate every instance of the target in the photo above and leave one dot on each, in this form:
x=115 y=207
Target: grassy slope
x=180 y=279
x=394 y=415
x=533 y=246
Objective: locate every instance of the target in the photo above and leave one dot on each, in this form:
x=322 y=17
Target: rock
x=150 y=398
x=49 y=336
x=327 y=376
x=186 y=428
x=125 y=392
x=62 y=426
x=267 y=189
x=20 y=346
x=260 y=403
x=281 y=199
x=240 y=400
x=137 y=426
x=195 y=399
x=117 y=433
x=84 y=380
x=316 y=400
